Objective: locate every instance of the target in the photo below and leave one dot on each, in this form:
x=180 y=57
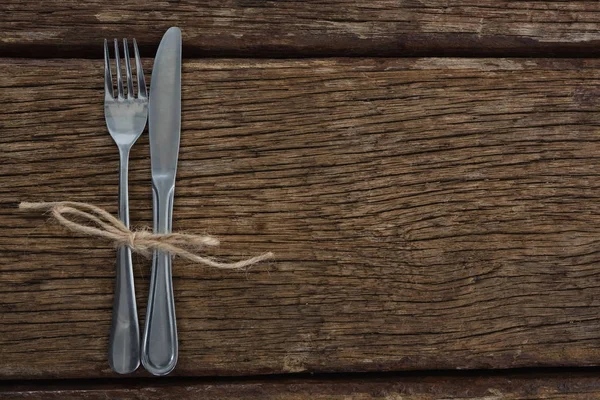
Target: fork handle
x=159 y=342
x=124 y=343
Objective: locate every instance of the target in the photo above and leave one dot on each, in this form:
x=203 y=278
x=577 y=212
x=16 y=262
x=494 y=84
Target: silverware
x=159 y=342
x=126 y=119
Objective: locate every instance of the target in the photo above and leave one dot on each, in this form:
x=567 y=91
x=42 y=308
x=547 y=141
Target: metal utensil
x=159 y=342
x=126 y=119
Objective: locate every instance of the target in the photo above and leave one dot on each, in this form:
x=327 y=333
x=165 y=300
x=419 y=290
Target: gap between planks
x=571 y=384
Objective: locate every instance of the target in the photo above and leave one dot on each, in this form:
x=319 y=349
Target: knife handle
x=159 y=343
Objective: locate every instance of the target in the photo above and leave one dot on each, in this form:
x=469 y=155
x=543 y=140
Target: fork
x=126 y=119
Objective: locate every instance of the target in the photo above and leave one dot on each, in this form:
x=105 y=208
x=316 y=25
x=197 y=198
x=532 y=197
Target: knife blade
x=159 y=342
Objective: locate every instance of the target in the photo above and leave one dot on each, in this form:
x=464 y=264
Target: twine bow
x=101 y=223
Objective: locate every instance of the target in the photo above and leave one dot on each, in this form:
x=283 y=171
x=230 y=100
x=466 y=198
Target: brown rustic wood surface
x=286 y=28
x=549 y=386
x=425 y=214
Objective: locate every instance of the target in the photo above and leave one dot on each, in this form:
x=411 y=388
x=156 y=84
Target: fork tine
x=119 y=78
x=140 y=72
x=108 y=85
x=128 y=69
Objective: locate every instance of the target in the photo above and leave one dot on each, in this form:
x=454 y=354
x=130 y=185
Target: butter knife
x=159 y=342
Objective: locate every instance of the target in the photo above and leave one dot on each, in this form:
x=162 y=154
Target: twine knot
x=100 y=223
x=131 y=239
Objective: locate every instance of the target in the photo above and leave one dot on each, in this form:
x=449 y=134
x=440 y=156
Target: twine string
x=100 y=223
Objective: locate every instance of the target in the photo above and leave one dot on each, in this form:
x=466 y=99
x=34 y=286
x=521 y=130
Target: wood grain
x=315 y=28
x=530 y=386
x=425 y=214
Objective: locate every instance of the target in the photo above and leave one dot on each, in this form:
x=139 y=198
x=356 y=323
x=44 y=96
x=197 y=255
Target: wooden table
x=426 y=173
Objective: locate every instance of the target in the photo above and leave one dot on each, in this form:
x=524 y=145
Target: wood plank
x=425 y=214
x=570 y=386
x=332 y=27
